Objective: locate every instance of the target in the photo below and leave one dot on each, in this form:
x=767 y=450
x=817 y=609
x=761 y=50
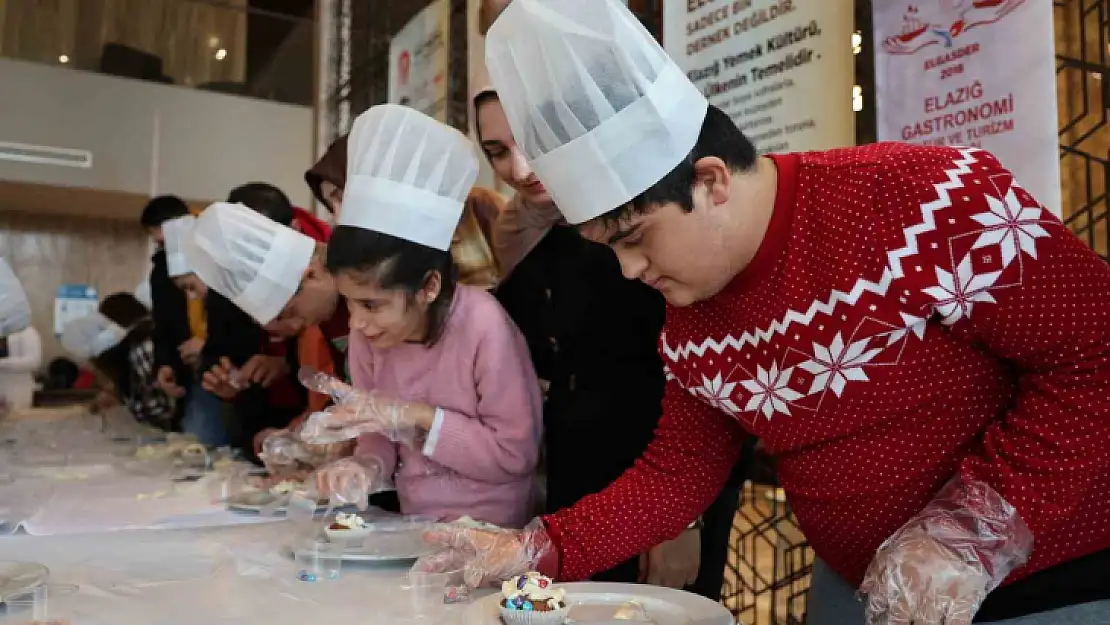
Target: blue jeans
x=202 y=418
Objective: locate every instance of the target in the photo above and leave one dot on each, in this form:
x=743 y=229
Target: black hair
x=162 y=209
x=62 y=373
x=123 y=309
x=265 y=199
x=488 y=95
x=719 y=137
x=395 y=263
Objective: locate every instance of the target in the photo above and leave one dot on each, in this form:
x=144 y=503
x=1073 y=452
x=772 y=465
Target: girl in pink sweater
x=444 y=383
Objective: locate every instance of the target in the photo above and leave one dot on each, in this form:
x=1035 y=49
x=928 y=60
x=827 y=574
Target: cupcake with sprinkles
x=532 y=599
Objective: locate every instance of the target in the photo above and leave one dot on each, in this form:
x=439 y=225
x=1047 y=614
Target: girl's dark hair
x=395 y=263
x=489 y=95
x=123 y=309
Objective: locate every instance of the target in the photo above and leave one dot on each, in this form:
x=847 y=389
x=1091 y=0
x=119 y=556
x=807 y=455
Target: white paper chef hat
x=253 y=261
x=407 y=176
x=596 y=105
x=91 y=336
x=15 y=310
x=176 y=232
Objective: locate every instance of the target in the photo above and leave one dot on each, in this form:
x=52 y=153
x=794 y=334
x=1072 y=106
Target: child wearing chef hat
x=442 y=360
x=276 y=275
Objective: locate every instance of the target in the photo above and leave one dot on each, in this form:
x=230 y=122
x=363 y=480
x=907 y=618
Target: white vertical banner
x=972 y=73
x=418 y=58
x=782 y=69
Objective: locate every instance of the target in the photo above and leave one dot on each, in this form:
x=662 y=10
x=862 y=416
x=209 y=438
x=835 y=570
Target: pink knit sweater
x=480 y=456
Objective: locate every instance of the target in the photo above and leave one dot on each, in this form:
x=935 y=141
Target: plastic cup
x=426 y=592
x=32 y=608
x=319 y=561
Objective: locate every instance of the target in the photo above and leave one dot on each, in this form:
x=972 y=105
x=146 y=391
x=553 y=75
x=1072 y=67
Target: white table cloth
x=208 y=576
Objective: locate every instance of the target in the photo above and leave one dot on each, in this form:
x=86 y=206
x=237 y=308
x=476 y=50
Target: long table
x=141 y=549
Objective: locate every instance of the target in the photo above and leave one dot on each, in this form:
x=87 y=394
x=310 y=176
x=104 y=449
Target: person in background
x=22 y=356
x=328 y=177
x=15 y=310
x=169 y=307
x=24 y=351
x=304 y=305
x=203 y=416
x=440 y=359
x=593 y=335
x=118 y=342
x=270 y=201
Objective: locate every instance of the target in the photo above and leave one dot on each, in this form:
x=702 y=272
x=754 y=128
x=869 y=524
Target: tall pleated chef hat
x=176 y=232
x=253 y=261
x=596 y=105
x=15 y=310
x=407 y=176
x=91 y=336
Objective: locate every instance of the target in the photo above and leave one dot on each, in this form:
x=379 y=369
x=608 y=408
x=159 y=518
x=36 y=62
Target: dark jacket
x=171 y=320
x=592 y=336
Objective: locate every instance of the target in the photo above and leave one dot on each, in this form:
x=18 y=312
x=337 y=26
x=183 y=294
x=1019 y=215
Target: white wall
x=149 y=138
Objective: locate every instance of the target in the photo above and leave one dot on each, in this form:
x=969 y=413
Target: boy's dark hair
x=162 y=209
x=395 y=263
x=265 y=199
x=719 y=137
x=123 y=309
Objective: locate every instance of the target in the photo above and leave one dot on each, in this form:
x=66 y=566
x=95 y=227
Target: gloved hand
x=673 y=564
x=351 y=480
x=282 y=452
x=359 y=412
x=487 y=557
x=938 y=568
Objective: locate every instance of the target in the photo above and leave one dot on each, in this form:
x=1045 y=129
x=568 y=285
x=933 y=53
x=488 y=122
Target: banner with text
x=418 y=58
x=972 y=73
x=783 y=69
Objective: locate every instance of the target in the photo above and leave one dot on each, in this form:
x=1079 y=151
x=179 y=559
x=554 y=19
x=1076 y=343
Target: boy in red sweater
x=923 y=348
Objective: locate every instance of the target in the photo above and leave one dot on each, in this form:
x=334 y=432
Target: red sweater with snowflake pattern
x=911 y=314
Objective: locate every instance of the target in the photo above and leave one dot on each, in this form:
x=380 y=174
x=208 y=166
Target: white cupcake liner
x=531 y=617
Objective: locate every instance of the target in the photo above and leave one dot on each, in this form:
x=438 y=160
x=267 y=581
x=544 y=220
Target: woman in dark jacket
x=593 y=336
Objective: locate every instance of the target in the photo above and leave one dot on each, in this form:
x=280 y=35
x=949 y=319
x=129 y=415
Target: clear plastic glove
x=350 y=480
x=673 y=564
x=282 y=453
x=357 y=412
x=938 y=568
x=486 y=557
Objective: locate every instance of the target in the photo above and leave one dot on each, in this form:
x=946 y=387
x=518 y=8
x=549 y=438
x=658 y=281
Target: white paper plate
x=664 y=606
x=17 y=578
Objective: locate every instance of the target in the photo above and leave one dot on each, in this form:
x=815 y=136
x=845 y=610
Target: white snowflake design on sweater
x=1008 y=223
x=833 y=366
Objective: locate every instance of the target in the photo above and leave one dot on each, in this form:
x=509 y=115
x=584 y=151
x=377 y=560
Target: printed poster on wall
x=73 y=301
x=418 y=58
x=976 y=73
x=782 y=69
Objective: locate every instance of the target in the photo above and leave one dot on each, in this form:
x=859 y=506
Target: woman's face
x=333 y=196
x=506 y=158
x=387 y=317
